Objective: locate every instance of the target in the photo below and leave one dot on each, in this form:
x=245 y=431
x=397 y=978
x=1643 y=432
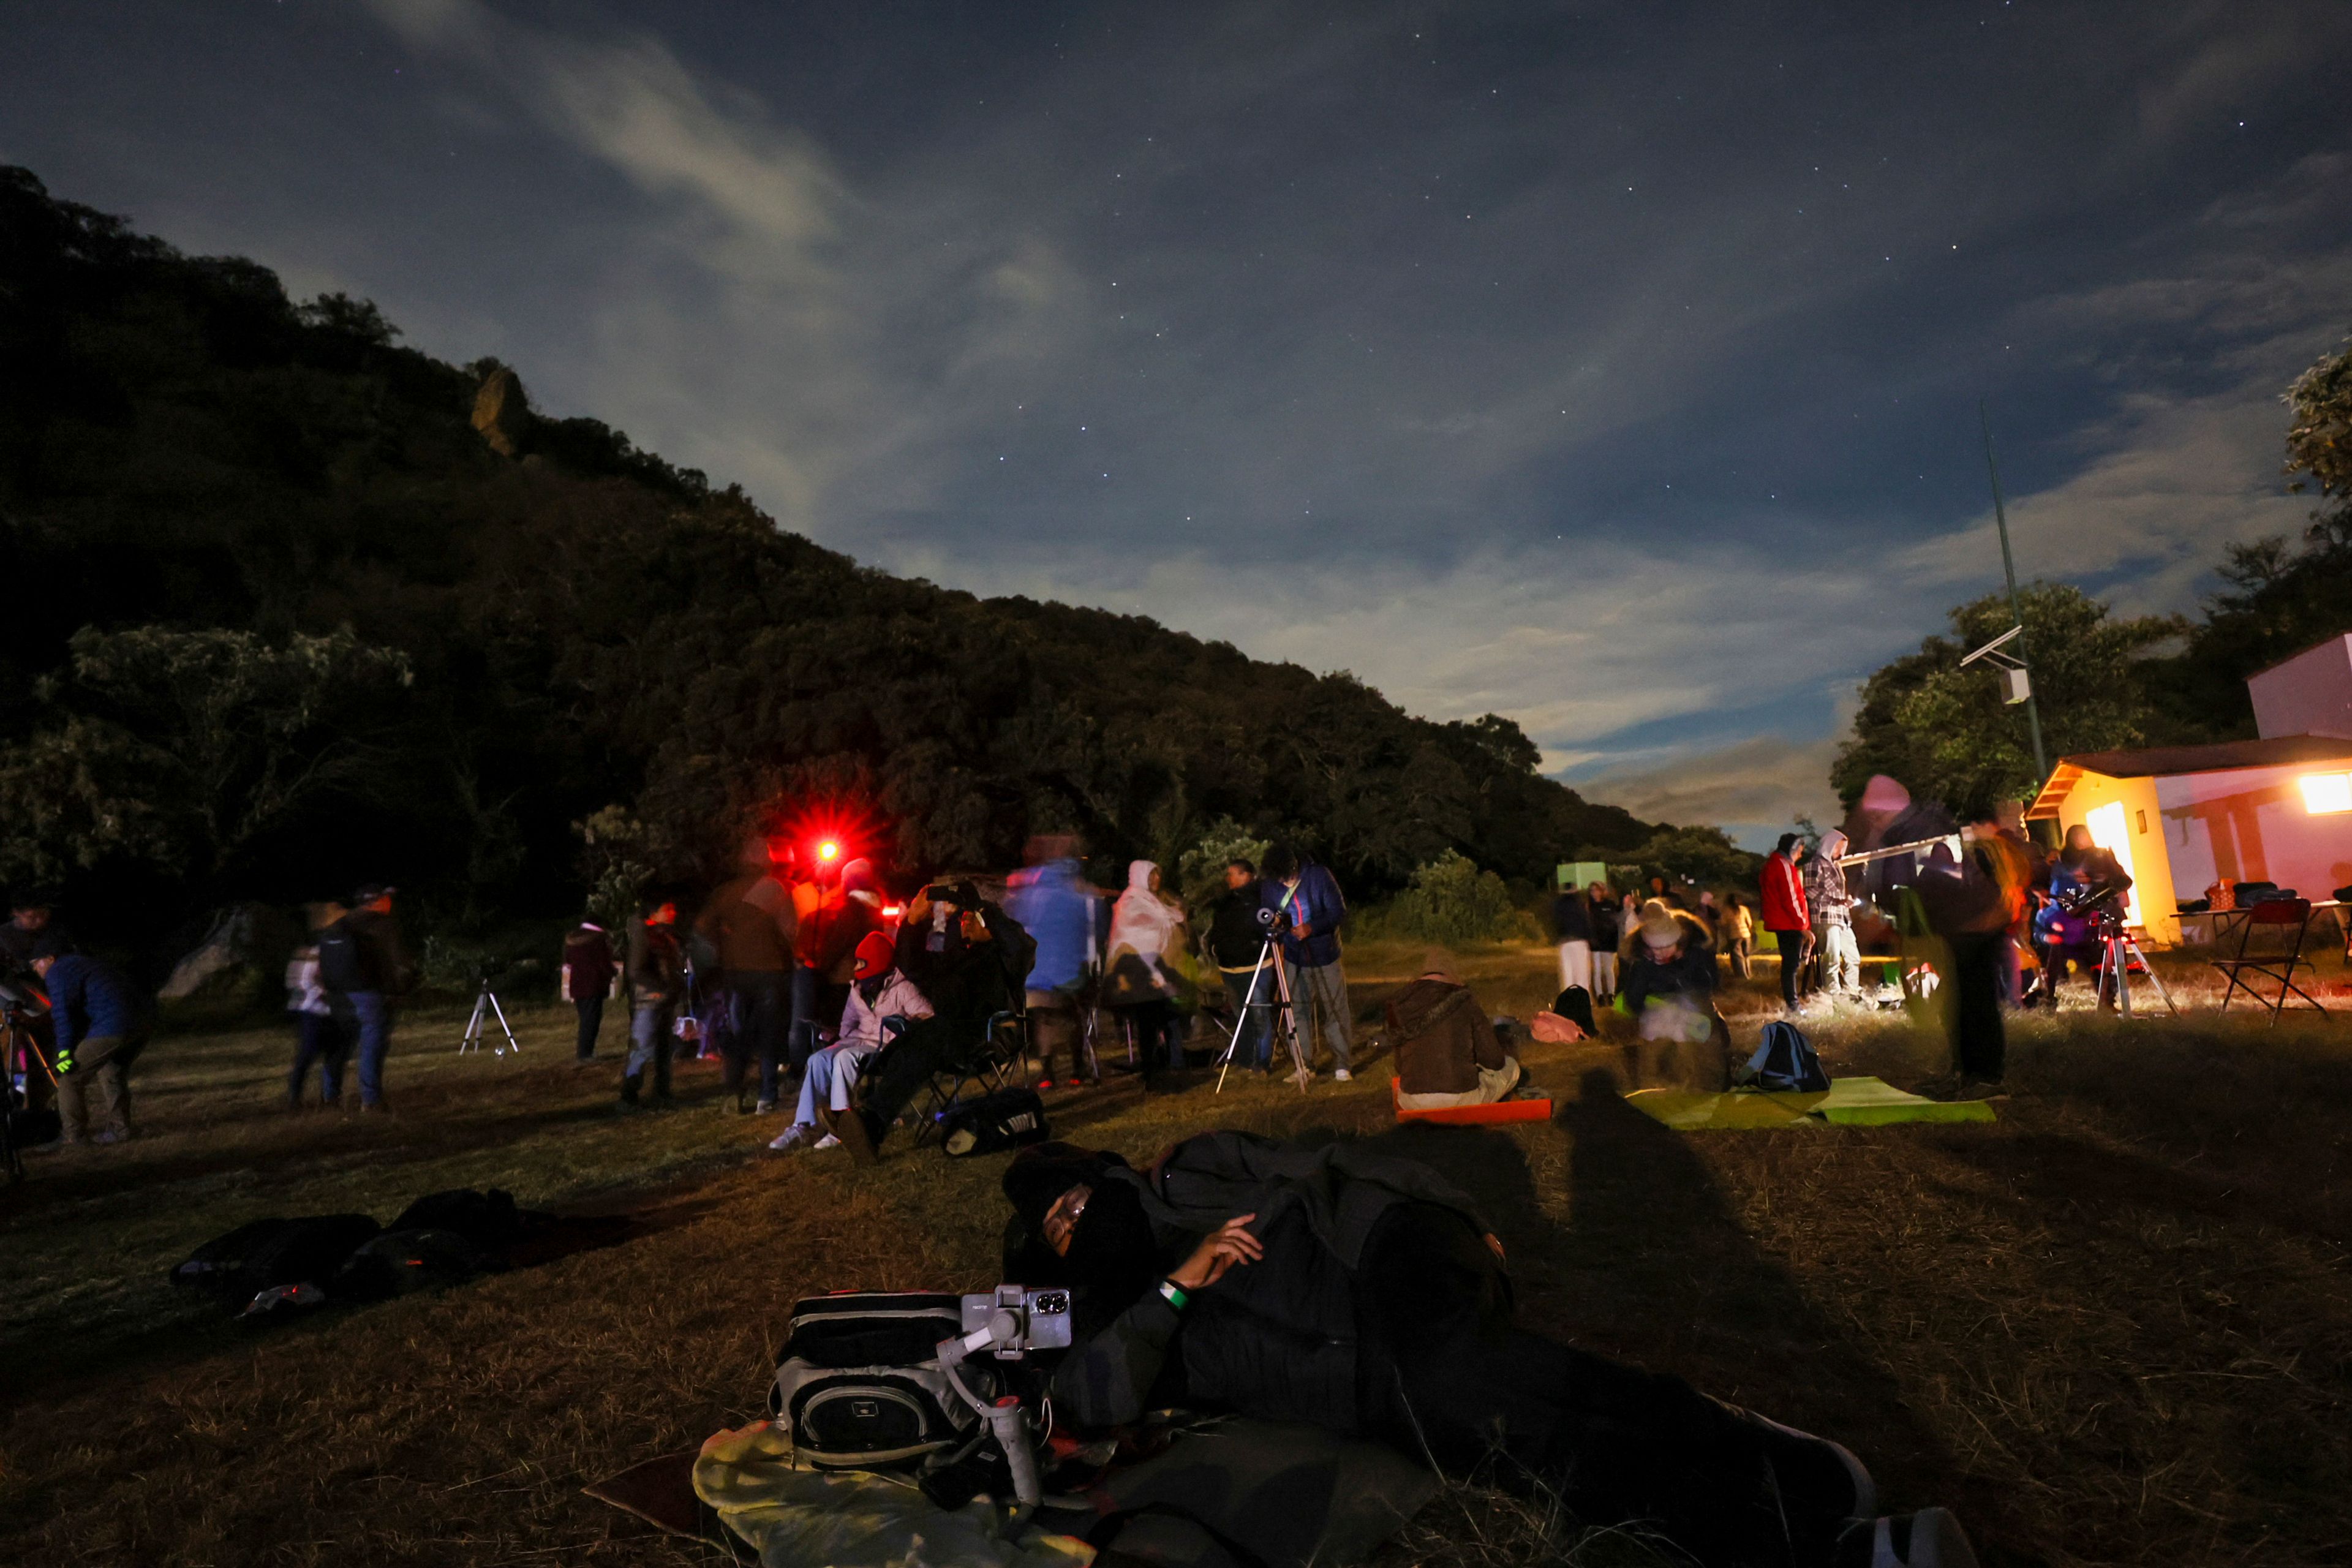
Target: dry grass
x=2114 y=1327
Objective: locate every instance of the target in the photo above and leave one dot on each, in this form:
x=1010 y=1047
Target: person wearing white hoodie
x=1832 y=906
x=1138 y=982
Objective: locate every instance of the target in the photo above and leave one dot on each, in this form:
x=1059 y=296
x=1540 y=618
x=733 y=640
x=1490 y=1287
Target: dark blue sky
x=1616 y=367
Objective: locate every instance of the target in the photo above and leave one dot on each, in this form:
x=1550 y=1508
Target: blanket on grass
x=1850 y=1102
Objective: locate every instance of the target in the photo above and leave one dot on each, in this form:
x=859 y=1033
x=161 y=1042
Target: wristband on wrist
x=1174 y=1294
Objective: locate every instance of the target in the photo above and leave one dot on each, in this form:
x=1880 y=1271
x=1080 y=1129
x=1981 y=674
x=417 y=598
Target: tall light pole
x=2009 y=570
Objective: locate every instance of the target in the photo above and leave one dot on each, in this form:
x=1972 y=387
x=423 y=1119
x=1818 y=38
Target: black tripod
x=2117 y=952
x=20 y=1058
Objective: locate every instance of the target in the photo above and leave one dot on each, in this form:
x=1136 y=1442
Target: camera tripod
x=2116 y=952
x=20 y=1056
x=1284 y=1021
x=476 y=1032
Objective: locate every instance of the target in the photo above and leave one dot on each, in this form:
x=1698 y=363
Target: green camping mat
x=1850 y=1102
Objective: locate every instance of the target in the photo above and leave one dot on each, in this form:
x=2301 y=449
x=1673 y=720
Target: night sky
x=1612 y=367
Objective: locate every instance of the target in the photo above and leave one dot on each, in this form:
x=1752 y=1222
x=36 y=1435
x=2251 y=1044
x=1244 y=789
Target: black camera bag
x=267 y=1252
x=859 y=1385
x=1006 y=1119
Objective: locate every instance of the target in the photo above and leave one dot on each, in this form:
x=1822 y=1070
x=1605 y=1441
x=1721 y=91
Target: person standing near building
x=365 y=968
x=751 y=923
x=1307 y=909
x=656 y=982
x=1571 y=928
x=99 y=1032
x=1831 y=908
x=1607 y=917
x=1056 y=906
x=1237 y=947
x=1785 y=915
x=588 y=967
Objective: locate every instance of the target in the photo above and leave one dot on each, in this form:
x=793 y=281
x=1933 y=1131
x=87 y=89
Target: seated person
x=1447 y=1053
x=1668 y=983
x=2064 y=936
x=882 y=1002
x=1364 y=1294
x=971 y=961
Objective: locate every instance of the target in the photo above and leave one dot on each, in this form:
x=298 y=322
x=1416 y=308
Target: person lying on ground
x=1365 y=1294
x=1447 y=1052
x=971 y=961
x=1668 y=983
x=882 y=1002
x=100 y=1029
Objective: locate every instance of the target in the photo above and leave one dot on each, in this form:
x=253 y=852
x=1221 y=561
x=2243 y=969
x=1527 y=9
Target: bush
x=1201 y=870
x=1451 y=899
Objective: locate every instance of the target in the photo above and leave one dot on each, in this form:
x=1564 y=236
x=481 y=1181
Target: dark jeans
x=1980 y=1042
x=1256 y=1047
x=1792 y=969
x=319 y=1037
x=591 y=1021
x=651 y=1042
x=371 y=1011
x=758 y=996
x=1442 y=1364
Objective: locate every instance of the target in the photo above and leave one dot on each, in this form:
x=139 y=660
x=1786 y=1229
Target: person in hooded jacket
x=1137 y=982
x=100 y=1030
x=588 y=970
x=882 y=1002
x=1367 y=1295
x=1831 y=908
x=1054 y=901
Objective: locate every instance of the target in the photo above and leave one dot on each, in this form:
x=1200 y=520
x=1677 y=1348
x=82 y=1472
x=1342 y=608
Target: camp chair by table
x=989 y=1064
x=2288 y=922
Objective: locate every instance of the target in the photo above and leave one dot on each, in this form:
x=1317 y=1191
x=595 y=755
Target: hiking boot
x=1931 y=1538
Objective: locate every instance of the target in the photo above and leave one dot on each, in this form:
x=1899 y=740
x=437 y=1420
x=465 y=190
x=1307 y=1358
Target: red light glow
x=829 y=850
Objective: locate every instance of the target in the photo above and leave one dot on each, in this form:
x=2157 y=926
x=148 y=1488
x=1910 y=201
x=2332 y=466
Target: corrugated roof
x=2156 y=761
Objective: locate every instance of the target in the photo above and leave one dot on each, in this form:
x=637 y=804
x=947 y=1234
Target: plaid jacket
x=1825 y=891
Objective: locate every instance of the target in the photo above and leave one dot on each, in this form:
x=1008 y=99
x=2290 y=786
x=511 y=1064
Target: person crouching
x=99 y=1031
x=882 y=1002
x=1447 y=1052
x=1669 y=976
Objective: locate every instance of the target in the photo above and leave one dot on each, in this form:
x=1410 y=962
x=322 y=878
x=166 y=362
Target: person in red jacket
x=1785 y=915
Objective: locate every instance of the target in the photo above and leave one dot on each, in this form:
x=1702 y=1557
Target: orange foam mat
x=1501 y=1110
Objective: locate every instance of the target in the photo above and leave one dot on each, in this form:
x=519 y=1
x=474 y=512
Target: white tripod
x=1284 y=1019
x=475 y=1033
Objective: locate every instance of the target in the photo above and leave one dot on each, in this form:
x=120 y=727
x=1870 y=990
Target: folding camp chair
x=993 y=1063
x=2289 y=920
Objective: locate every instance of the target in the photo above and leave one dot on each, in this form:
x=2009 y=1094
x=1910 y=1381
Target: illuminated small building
x=2181 y=818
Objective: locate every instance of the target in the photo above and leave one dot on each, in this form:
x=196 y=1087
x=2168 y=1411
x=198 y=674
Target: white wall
x=2248 y=825
x=2310 y=694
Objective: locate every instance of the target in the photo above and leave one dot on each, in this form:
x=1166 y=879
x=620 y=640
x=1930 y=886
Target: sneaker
x=827 y=1142
x=764 y=1108
x=1341 y=1074
x=791 y=1137
x=1931 y=1538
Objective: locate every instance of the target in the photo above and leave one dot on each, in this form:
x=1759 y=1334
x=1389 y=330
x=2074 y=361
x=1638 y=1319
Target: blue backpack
x=1785 y=1061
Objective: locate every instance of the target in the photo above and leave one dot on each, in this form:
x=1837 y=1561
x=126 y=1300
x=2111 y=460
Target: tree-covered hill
x=290 y=605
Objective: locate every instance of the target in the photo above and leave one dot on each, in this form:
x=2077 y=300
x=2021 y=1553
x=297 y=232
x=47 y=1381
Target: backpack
x=490 y=1220
x=1005 y=1120
x=340 y=968
x=1785 y=1061
x=859 y=1385
x=268 y=1254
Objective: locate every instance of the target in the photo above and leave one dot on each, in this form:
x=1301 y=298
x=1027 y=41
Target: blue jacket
x=1315 y=903
x=1058 y=909
x=89 y=1001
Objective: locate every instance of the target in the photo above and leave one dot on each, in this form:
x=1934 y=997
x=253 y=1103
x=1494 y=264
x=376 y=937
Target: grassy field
x=2116 y=1327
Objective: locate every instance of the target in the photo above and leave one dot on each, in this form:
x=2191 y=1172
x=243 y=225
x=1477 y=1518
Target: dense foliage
x=294 y=605
x=2104 y=681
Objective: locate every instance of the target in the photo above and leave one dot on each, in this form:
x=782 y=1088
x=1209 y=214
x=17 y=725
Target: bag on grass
x=1786 y=1061
x=403 y=1260
x=490 y=1220
x=1005 y=1120
x=270 y=1254
x=859 y=1385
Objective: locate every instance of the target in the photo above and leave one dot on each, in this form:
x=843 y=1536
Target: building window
x=2324 y=794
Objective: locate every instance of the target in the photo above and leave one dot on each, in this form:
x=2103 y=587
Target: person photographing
x=100 y=1031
